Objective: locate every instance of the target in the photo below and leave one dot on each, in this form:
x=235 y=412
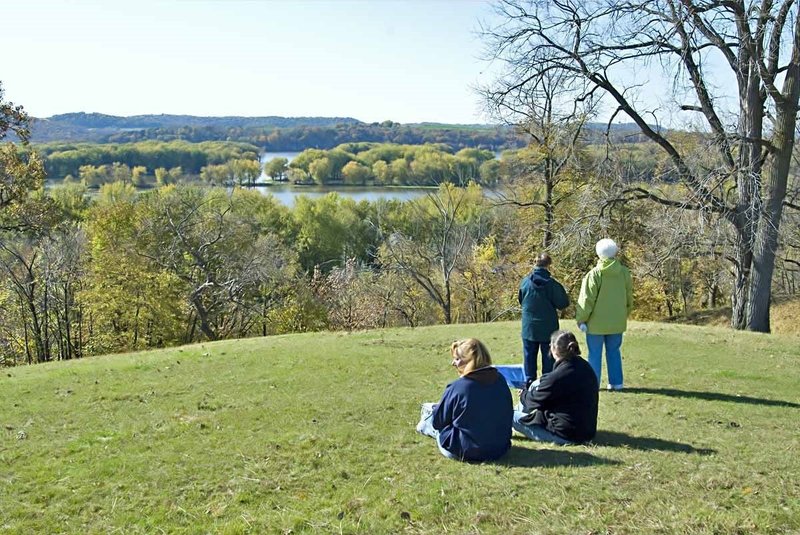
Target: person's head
x=469 y=355
x=543 y=260
x=564 y=345
x=606 y=248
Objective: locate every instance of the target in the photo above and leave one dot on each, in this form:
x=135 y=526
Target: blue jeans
x=425 y=427
x=535 y=432
x=530 y=349
x=613 y=356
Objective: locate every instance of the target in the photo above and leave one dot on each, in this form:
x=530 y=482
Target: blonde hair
x=470 y=355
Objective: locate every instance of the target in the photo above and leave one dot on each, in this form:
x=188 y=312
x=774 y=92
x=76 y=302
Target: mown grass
x=315 y=433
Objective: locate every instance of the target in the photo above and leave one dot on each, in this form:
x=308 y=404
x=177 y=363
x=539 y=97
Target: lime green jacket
x=606 y=298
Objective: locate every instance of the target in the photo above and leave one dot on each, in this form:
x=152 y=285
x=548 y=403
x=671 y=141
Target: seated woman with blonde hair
x=472 y=421
x=561 y=407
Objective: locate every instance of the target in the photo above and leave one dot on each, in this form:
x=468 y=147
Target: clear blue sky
x=408 y=61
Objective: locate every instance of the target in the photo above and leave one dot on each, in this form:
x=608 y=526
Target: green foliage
x=209 y=241
x=130 y=304
x=22 y=206
x=380 y=170
x=356 y=174
x=276 y=169
x=331 y=229
x=62 y=159
x=13 y=119
x=235 y=172
x=72 y=199
x=321 y=170
x=389 y=164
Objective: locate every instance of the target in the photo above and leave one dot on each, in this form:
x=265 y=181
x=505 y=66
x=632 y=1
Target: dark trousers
x=530 y=351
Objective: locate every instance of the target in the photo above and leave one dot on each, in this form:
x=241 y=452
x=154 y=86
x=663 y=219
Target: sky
x=403 y=60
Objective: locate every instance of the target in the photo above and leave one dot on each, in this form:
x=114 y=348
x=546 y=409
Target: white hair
x=606 y=248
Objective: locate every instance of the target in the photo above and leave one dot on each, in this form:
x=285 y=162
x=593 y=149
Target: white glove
x=583 y=327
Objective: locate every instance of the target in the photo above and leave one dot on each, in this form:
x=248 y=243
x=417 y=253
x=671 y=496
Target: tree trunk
x=766 y=243
x=447 y=304
x=202 y=315
x=549 y=209
x=742 y=264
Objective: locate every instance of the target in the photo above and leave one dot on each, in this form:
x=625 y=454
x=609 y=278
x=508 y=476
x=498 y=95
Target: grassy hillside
x=783 y=317
x=315 y=433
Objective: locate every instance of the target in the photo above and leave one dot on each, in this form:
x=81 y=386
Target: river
x=287 y=193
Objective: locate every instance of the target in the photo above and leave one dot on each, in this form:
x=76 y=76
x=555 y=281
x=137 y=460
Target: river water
x=287 y=193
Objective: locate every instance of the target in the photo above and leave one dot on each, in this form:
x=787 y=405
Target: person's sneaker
x=614 y=388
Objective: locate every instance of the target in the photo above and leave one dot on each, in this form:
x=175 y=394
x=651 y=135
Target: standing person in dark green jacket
x=604 y=304
x=541 y=296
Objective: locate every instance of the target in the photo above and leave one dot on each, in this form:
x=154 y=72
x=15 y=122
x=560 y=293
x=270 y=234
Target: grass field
x=315 y=433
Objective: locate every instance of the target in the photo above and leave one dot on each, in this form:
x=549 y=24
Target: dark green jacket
x=541 y=296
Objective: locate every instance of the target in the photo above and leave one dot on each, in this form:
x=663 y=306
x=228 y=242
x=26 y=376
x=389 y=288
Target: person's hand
x=583 y=327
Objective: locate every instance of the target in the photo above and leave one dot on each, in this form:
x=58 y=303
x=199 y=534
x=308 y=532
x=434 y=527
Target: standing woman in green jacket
x=541 y=296
x=604 y=304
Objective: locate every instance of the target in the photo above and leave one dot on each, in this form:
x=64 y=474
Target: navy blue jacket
x=540 y=296
x=565 y=401
x=474 y=416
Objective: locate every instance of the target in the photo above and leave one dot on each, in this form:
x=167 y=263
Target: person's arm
x=629 y=291
x=560 y=297
x=543 y=396
x=443 y=412
x=587 y=297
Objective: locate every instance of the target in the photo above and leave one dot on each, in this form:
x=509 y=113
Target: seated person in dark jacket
x=562 y=406
x=472 y=421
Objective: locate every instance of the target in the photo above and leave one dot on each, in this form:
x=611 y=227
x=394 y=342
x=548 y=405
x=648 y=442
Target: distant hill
x=100 y=120
x=81 y=126
x=269 y=133
x=273 y=133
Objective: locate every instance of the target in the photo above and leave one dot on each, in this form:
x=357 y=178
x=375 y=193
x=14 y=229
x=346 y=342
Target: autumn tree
x=434 y=245
x=217 y=251
x=356 y=174
x=276 y=169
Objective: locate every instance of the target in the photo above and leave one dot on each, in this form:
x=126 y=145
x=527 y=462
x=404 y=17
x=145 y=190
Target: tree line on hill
x=274 y=134
x=183 y=263
x=318 y=134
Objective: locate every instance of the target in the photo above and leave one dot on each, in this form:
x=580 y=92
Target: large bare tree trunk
x=741 y=277
x=766 y=244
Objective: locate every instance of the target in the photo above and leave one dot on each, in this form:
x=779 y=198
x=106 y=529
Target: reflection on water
x=287 y=194
x=267 y=156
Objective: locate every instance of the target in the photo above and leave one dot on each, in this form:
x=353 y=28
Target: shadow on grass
x=617 y=439
x=527 y=458
x=710 y=396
